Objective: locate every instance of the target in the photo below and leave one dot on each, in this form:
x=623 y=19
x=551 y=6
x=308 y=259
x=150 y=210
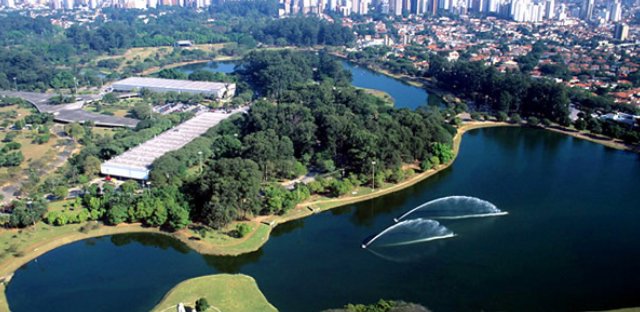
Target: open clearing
x=224 y=292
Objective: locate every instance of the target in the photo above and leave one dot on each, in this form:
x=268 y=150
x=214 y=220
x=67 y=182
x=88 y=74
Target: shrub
x=515 y=118
x=202 y=304
x=242 y=229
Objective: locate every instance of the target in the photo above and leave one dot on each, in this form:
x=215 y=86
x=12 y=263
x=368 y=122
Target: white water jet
x=455 y=207
x=410 y=232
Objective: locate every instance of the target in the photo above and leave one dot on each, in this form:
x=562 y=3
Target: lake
x=403 y=94
x=225 y=67
x=569 y=242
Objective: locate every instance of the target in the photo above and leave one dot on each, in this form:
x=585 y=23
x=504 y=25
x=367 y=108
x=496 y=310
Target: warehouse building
x=218 y=90
x=136 y=162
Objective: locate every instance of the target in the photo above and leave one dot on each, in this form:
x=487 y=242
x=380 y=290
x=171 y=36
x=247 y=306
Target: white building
x=136 y=162
x=217 y=89
x=615 y=11
x=9 y=3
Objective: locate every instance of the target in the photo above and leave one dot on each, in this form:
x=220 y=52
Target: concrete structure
x=627 y=119
x=72 y=112
x=217 y=89
x=136 y=162
x=621 y=31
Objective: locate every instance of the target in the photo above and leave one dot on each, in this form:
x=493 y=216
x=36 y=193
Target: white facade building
x=217 y=89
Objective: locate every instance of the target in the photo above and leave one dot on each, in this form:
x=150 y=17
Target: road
x=72 y=112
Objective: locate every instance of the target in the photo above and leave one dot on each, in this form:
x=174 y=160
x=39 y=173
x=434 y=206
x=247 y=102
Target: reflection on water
x=233 y=264
x=153 y=240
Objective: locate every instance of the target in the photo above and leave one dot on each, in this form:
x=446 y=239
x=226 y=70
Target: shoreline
x=268 y=223
x=156 y=69
x=12 y=263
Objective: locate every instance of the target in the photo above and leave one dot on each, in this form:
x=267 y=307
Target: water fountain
x=454 y=207
x=409 y=232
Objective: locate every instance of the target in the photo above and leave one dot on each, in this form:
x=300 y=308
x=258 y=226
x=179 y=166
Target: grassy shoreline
x=224 y=292
x=64 y=235
x=262 y=226
x=156 y=69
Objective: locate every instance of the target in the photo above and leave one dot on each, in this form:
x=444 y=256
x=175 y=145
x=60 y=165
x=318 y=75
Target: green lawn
x=219 y=242
x=4 y=305
x=224 y=292
x=59 y=205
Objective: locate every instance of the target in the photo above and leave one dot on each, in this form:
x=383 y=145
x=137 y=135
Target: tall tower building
x=549 y=9
x=406 y=6
x=385 y=7
x=621 y=32
x=586 y=11
x=9 y=3
x=616 y=11
x=396 y=7
x=68 y=4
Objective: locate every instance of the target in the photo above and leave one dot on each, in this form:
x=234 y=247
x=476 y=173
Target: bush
x=476 y=116
x=502 y=116
x=533 y=121
x=426 y=165
x=435 y=161
x=242 y=229
x=202 y=304
x=515 y=118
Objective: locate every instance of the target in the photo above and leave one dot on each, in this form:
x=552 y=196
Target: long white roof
x=140 y=158
x=145 y=82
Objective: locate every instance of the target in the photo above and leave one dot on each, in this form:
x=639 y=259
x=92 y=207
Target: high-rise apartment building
x=621 y=31
x=586 y=12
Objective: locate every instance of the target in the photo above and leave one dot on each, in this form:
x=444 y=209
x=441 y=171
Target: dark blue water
x=225 y=67
x=403 y=94
x=570 y=242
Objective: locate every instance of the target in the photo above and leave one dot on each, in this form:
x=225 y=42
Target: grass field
x=139 y=54
x=118 y=109
x=32 y=151
x=380 y=94
x=104 y=131
x=224 y=292
x=220 y=243
x=4 y=305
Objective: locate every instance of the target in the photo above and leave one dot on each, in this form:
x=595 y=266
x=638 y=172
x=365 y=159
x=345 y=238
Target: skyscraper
x=9 y=3
x=68 y=4
x=550 y=7
x=616 y=11
x=396 y=7
x=587 y=9
x=621 y=32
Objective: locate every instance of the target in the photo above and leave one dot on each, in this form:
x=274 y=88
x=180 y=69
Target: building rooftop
x=144 y=82
x=136 y=162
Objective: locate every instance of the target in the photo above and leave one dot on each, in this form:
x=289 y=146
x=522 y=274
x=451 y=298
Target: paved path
x=72 y=112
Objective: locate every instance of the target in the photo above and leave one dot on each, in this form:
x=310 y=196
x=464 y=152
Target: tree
x=159 y=215
x=74 y=130
x=91 y=166
x=61 y=191
x=230 y=188
x=129 y=187
x=515 y=118
x=110 y=98
x=242 y=229
x=141 y=111
x=117 y=214
x=178 y=216
x=502 y=116
x=25 y=214
x=202 y=304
